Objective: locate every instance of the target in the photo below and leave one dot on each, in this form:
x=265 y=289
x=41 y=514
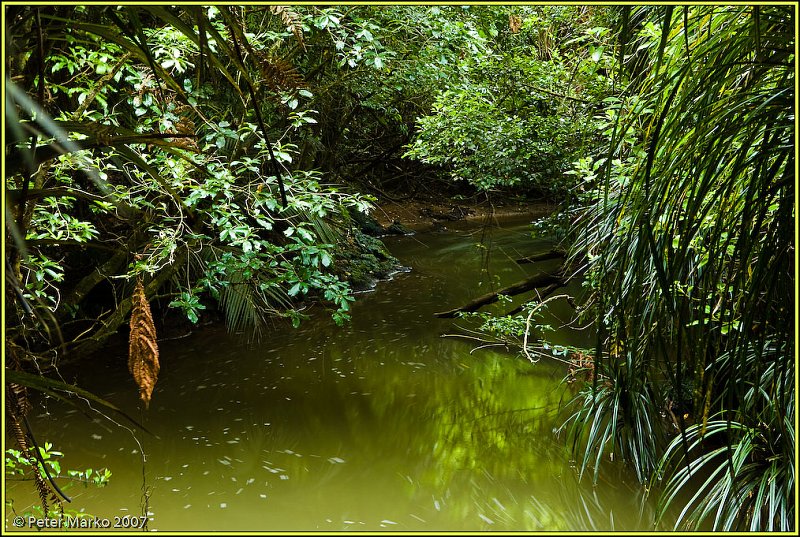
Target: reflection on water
x=381 y=424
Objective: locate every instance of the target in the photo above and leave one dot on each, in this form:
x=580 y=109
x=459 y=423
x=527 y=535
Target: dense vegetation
x=220 y=159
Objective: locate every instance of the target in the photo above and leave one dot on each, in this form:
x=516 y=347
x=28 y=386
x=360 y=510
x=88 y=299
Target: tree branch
x=539 y=280
x=545 y=256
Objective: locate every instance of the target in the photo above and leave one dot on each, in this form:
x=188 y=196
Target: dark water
x=379 y=425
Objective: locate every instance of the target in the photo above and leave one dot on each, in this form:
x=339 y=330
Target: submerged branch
x=550 y=289
x=534 y=282
x=546 y=256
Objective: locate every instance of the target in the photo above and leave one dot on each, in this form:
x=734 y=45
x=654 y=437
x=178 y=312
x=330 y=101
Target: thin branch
x=528 y=325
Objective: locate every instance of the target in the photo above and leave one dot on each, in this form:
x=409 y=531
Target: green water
x=378 y=425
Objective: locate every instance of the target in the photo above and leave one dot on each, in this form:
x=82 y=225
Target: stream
x=380 y=425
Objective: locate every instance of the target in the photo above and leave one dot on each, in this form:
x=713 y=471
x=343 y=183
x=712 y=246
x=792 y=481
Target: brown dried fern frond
x=279 y=75
x=291 y=20
x=17 y=395
x=14 y=421
x=143 y=351
x=186 y=126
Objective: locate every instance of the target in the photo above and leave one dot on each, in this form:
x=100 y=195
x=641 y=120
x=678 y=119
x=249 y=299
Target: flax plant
x=689 y=244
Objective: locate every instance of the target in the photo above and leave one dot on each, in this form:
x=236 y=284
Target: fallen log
x=534 y=282
x=541 y=295
x=552 y=254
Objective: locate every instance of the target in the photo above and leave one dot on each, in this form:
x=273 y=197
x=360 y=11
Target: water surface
x=378 y=425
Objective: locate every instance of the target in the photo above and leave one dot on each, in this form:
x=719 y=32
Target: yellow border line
x=796 y=309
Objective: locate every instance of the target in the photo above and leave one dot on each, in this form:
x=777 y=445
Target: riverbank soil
x=429 y=214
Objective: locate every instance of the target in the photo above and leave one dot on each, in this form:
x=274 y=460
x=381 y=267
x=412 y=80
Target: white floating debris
x=223 y=505
x=187 y=506
x=96 y=436
x=486 y=519
x=436 y=505
x=250 y=481
x=284 y=477
x=239 y=491
x=388 y=522
x=223 y=461
x=335 y=460
x=167 y=478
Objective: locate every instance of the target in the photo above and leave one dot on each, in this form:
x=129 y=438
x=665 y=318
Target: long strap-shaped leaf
x=53 y=150
x=53 y=386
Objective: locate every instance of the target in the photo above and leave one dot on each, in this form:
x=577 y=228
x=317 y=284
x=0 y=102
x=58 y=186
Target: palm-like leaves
x=691 y=242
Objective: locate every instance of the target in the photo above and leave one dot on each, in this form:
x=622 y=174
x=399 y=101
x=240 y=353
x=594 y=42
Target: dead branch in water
x=534 y=282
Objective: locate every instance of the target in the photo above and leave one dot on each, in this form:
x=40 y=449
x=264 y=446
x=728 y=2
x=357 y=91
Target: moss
x=364 y=260
x=367 y=224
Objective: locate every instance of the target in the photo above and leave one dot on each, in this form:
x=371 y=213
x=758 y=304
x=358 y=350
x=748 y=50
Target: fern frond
x=324 y=229
x=291 y=20
x=278 y=74
x=16 y=410
x=143 y=352
x=247 y=306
